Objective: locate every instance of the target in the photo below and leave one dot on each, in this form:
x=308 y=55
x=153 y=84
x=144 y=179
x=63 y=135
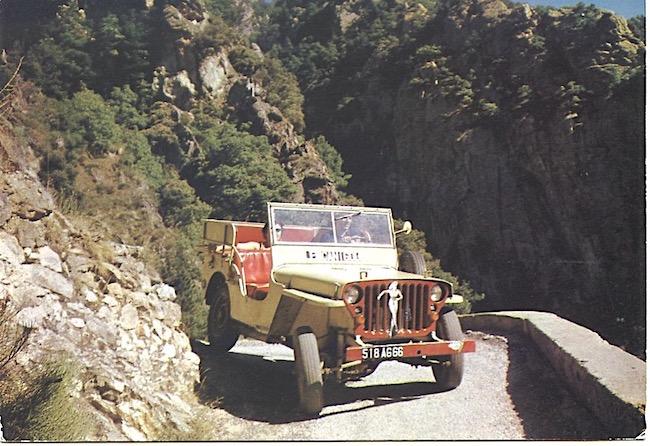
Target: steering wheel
x=364 y=237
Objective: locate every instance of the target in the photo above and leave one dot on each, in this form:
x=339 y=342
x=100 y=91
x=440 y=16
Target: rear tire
x=309 y=376
x=221 y=331
x=412 y=262
x=449 y=373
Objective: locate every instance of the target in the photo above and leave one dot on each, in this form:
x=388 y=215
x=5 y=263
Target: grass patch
x=36 y=404
x=199 y=429
x=44 y=409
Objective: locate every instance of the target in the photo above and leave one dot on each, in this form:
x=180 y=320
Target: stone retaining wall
x=609 y=381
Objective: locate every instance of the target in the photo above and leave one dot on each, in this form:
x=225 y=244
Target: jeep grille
x=413 y=315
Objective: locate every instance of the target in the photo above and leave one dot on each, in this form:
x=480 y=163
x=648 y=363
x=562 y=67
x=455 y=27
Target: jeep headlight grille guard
x=416 y=309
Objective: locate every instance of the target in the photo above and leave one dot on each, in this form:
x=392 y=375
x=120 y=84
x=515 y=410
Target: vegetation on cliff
x=513 y=136
x=153 y=117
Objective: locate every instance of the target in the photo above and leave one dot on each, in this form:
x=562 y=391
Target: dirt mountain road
x=508 y=393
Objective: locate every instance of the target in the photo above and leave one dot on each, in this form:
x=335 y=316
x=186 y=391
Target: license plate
x=382 y=352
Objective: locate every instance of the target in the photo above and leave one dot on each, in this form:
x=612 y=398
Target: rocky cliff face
x=94 y=303
x=193 y=67
x=515 y=140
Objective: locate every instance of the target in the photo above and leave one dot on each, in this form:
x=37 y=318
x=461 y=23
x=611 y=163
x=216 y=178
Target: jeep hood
x=326 y=280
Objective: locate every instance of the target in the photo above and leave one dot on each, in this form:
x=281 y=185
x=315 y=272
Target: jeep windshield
x=341 y=227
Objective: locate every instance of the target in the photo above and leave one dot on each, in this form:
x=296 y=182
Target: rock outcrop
x=113 y=319
x=195 y=65
x=548 y=190
x=514 y=137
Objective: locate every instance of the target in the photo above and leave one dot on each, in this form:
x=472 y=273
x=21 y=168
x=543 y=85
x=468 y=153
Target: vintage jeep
x=324 y=280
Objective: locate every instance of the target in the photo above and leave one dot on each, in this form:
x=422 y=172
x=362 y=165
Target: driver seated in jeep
x=349 y=230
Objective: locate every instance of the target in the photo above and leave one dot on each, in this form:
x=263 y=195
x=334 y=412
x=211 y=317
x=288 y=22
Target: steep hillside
x=513 y=136
x=92 y=307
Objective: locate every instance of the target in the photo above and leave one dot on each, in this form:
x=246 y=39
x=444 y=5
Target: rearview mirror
x=407 y=227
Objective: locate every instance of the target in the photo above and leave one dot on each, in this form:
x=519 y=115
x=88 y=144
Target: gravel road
x=508 y=393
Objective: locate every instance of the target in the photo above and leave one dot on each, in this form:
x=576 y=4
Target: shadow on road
x=547 y=409
x=260 y=389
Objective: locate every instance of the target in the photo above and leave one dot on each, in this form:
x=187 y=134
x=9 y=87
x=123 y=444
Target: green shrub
x=179 y=205
x=124 y=101
x=89 y=123
x=59 y=62
x=245 y=60
x=237 y=173
x=181 y=270
x=283 y=90
x=57 y=171
x=138 y=155
x=333 y=160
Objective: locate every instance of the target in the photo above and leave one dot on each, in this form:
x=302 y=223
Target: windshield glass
x=332 y=227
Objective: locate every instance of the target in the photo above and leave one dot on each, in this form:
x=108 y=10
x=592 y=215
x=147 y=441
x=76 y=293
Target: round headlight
x=352 y=295
x=436 y=293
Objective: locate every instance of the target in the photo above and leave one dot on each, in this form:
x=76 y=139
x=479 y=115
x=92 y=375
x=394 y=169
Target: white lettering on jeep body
x=333 y=256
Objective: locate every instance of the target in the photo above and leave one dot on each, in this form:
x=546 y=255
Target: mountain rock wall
x=514 y=137
x=94 y=304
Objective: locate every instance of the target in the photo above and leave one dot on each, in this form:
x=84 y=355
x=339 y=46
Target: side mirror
x=407 y=227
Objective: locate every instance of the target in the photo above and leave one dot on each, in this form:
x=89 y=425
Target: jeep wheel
x=221 y=333
x=412 y=262
x=449 y=373
x=308 y=373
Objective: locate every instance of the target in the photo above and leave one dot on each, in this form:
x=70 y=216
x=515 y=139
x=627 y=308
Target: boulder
x=90 y=296
x=165 y=292
x=78 y=263
x=115 y=290
x=5 y=210
x=139 y=299
x=128 y=317
x=172 y=313
x=179 y=90
x=132 y=433
x=49 y=259
x=213 y=72
x=10 y=250
x=168 y=351
x=26 y=294
x=45 y=278
x=77 y=322
x=100 y=329
x=110 y=301
x=31 y=317
x=30 y=234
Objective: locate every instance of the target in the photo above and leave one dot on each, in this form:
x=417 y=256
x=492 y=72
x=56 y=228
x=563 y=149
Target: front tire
x=221 y=331
x=309 y=376
x=449 y=373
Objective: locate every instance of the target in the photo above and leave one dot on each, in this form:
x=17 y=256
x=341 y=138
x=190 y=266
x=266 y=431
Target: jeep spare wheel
x=412 y=262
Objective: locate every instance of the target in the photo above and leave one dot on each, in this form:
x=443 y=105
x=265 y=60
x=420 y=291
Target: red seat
x=256 y=265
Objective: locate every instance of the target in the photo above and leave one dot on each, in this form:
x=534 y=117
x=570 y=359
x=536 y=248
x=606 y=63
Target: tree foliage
x=89 y=122
x=59 y=62
x=237 y=174
x=333 y=160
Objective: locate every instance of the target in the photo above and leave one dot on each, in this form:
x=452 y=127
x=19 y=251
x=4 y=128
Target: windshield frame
x=333 y=211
